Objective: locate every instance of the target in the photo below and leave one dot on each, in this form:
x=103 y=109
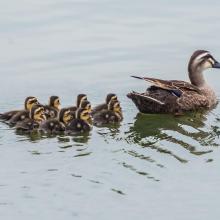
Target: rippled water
x=151 y=166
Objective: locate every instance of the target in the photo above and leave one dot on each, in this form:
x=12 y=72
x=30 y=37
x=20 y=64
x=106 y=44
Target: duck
x=36 y=117
x=112 y=115
x=177 y=96
x=104 y=106
x=53 y=107
x=28 y=103
x=81 y=123
x=57 y=126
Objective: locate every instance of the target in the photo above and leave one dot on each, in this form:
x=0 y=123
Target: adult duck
x=175 y=96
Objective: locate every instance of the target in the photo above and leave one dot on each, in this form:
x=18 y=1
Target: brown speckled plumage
x=175 y=96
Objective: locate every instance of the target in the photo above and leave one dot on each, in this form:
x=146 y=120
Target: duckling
x=56 y=126
x=85 y=105
x=81 y=123
x=109 y=116
x=36 y=117
x=110 y=97
x=53 y=107
x=80 y=98
x=29 y=102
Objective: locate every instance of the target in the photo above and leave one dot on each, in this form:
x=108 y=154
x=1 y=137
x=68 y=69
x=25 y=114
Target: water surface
x=151 y=166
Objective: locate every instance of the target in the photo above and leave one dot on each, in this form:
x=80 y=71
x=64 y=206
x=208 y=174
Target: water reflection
x=159 y=132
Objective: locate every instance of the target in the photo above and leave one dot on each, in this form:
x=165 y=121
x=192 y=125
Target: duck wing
x=175 y=86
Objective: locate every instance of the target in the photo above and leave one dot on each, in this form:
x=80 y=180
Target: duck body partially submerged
x=176 y=96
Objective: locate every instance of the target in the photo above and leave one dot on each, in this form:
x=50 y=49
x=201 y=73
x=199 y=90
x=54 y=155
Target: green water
x=148 y=167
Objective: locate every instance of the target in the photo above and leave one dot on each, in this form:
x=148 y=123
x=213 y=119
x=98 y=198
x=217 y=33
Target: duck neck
x=196 y=77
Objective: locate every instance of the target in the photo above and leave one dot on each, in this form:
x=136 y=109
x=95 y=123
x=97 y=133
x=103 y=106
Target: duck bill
x=216 y=65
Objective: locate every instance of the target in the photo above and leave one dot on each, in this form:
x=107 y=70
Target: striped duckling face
x=115 y=107
x=30 y=102
x=37 y=113
x=201 y=60
x=84 y=115
x=54 y=101
x=65 y=116
x=111 y=97
x=86 y=105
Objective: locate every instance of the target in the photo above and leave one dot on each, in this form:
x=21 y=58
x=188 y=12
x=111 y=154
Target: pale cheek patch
x=207 y=65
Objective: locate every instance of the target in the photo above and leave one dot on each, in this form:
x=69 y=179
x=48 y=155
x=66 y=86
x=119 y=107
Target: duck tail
x=145 y=103
x=144 y=96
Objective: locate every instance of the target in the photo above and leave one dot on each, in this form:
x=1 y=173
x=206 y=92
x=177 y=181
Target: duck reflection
x=149 y=130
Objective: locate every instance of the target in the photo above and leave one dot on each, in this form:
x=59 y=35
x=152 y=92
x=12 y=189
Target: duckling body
x=175 y=96
x=8 y=115
x=106 y=117
x=52 y=126
x=29 y=102
x=57 y=126
x=111 y=115
x=27 y=125
x=18 y=117
x=36 y=117
x=52 y=109
x=77 y=126
x=104 y=106
x=81 y=123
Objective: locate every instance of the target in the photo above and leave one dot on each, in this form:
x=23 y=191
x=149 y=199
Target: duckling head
x=115 y=107
x=54 y=101
x=84 y=115
x=30 y=102
x=86 y=105
x=80 y=98
x=200 y=61
x=37 y=113
x=65 y=116
x=111 y=97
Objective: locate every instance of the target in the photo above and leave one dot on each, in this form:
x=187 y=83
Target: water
x=155 y=167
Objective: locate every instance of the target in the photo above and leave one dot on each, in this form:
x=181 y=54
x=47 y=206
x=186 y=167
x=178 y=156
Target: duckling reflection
x=160 y=128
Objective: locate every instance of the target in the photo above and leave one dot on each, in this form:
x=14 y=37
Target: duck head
x=200 y=61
